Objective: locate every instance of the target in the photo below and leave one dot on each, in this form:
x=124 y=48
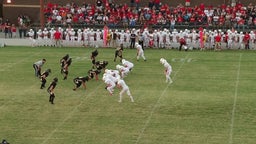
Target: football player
x=44 y=75
x=51 y=88
x=78 y=81
x=119 y=53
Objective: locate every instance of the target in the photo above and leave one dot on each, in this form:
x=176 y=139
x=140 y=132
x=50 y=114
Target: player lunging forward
x=121 y=84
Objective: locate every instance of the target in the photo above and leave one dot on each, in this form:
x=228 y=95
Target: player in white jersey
x=45 y=37
x=110 y=83
x=114 y=73
x=155 y=39
x=252 y=40
x=168 y=39
x=31 y=35
x=72 y=34
x=123 y=70
x=67 y=35
x=175 y=37
x=140 y=52
x=161 y=36
x=230 y=39
x=86 y=37
x=168 y=70
x=145 y=34
x=121 y=84
x=240 y=40
x=127 y=64
x=98 y=41
x=194 y=38
x=127 y=39
x=211 y=40
x=52 y=41
x=121 y=37
x=79 y=37
x=91 y=38
x=39 y=37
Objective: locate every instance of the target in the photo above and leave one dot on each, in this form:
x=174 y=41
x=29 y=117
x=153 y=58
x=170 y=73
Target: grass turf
x=212 y=99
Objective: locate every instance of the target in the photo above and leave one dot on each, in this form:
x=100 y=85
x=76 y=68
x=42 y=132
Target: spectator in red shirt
x=246 y=40
x=218 y=41
x=57 y=38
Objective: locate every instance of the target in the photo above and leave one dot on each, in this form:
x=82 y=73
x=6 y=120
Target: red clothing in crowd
x=246 y=37
x=218 y=38
x=57 y=35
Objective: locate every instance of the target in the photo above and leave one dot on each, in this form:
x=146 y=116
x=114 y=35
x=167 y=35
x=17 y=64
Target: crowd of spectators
x=155 y=13
x=10 y=29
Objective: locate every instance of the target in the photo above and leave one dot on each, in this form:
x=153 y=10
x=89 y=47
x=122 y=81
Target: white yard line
x=156 y=104
x=68 y=116
x=234 y=103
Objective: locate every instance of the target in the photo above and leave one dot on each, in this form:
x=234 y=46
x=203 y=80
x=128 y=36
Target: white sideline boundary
x=156 y=104
x=234 y=103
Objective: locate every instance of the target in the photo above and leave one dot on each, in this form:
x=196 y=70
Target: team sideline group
x=158 y=38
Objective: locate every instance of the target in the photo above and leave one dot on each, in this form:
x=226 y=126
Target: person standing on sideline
x=121 y=84
x=44 y=75
x=133 y=38
x=57 y=38
x=140 y=52
x=168 y=70
x=218 y=41
x=51 y=88
x=31 y=35
x=13 y=30
x=37 y=67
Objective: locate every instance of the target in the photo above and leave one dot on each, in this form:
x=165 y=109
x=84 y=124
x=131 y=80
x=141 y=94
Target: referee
x=37 y=67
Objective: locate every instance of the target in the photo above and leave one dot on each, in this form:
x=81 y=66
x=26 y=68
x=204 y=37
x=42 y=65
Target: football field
x=212 y=99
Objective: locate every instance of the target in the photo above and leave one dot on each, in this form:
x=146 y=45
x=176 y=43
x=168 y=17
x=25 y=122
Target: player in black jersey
x=93 y=56
x=63 y=61
x=80 y=81
x=65 y=68
x=99 y=65
x=43 y=77
x=94 y=73
x=119 y=53
x=51 y=88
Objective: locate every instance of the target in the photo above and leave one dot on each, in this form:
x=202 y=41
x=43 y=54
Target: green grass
x=212 y=99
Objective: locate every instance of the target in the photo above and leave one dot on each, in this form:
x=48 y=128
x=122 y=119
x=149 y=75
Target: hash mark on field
x=68 y=116
x=156 y=104
x=234 y=103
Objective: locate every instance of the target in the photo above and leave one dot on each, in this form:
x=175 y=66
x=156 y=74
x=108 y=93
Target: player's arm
x=51 y=89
